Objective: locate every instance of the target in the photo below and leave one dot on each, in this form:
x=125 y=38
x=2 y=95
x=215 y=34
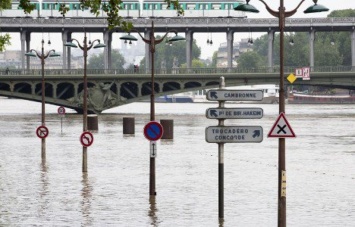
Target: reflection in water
x=152 y=211
x=44 y=190
x=221 y=222
x=86 y=193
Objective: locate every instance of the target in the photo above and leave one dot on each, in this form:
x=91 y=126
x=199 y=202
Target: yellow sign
x=291 y=78
x=283 y=183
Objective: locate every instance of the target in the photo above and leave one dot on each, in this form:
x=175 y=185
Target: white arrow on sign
x=235 y=95
x=234 y=113
x=153 y=149
x=234 y=134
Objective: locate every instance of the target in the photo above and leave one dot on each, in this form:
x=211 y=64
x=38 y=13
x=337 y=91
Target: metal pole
x=43 y=104
x=152 y=191
x=221 y=161
x=282 y=144
x=85 y=114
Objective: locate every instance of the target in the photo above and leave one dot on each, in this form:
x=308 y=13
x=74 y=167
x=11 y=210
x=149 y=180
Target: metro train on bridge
x=131 y=9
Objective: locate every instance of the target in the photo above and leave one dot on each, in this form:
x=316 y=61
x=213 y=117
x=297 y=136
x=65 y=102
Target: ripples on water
x=320 y=166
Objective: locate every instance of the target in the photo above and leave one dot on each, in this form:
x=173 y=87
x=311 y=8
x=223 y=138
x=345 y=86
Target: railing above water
x=174 y=71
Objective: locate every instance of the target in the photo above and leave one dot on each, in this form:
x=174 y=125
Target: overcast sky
x=218 y=38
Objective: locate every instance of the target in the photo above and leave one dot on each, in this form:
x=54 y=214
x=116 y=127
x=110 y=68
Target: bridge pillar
x=270 y=53
x=118 y=88
x=189 y=40
x=66 y=50
x=311 y=48
x=25 y=47
x=353 y=49
x=139 y=89
x=148 y=60
x=108 y=49
x=230 y=50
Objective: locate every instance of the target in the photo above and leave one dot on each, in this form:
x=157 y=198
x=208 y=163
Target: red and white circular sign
x=42 y=131
x=86 y=139
x=61 y=110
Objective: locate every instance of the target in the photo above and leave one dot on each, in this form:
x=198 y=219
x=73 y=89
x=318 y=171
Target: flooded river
x=320 y=164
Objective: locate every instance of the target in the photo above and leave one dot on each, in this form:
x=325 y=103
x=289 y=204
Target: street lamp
x=85 y=47
x=152 y=41
x=42 y=56
x=281 y=14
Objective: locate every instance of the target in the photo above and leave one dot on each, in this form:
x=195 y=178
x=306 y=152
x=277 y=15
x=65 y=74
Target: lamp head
x=129 y=37
x=99 y=45
x=54 y=54
x=246 y=8
x=70 y=44
x=316 y=8
x=30 y=54
x=176 y=38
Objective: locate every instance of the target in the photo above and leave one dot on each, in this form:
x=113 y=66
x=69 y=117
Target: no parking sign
x=153 y=131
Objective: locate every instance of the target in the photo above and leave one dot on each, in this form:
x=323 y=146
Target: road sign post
x=61 y=112
x=231 y=134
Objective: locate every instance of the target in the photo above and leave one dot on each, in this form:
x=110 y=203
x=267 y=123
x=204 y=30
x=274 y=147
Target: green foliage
x=214 y=60
x=27 y=6
x=97 y=61
x=342 y=13
x=5 y=4
x=165 y=52
x=4 y=41
x=249 y=60
x=196 y=63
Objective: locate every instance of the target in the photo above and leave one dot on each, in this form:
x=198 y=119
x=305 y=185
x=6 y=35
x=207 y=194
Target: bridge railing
x=202 y=71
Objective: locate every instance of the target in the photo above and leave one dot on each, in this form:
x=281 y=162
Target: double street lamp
x=282 y=14
x=85 y=47
x=41 y=55
x=152 y=41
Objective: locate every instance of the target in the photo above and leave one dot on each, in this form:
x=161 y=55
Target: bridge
x=112 y=88
x=189 y=26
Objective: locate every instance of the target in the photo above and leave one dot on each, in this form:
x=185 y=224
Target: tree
x=167 y=53
x=97 y=61
x=214 y=60
x=249 y=60
x=196 y=63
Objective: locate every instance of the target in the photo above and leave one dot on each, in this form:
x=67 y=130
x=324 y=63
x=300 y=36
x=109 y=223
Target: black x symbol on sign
x=281 y=129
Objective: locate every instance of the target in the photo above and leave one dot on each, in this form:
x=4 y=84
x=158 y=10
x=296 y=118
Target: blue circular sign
x=153 y=131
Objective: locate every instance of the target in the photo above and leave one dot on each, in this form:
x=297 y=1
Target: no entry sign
x=42 y=131
x=153 y=131
x=86 y=139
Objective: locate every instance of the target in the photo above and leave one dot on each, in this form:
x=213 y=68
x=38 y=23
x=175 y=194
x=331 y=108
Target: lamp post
x=282 y=14
x=152 y=41
x=85 y=47
x=43 y=56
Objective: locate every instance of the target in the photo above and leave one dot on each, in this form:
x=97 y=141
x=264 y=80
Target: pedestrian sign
x=281 y=128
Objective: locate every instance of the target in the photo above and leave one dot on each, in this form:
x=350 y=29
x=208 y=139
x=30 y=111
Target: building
x=238 y=48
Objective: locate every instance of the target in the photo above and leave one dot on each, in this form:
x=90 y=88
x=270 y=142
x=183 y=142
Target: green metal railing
x=202 y=71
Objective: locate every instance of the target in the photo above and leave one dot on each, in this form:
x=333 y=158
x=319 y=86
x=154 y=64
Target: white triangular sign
x=281 y=128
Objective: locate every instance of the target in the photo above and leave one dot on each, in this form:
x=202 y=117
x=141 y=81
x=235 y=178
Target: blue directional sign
x=234 y=113
x=235 y=95
x=153 y=131
x=234 y=134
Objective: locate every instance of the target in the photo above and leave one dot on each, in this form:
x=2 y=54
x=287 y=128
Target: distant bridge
x=111 y=88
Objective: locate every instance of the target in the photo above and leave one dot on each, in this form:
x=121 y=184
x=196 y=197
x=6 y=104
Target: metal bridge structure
x=228 y=25
x=112 y=88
